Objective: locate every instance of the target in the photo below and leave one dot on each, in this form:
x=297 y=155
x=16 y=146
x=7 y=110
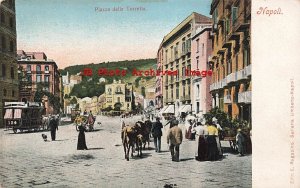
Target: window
x=11 y=46
x=197 y=63
x=109 y=91
x=234 y=14
x=38 y=78
x=3 y=70
x=2 y=18
x=38 y=68
x=236 y=62
x=47 y=78
x=177 y=91
x=118 y=99
x=215 y=16
x=229 y=66
x=11 y=22
x=29 y=77
x=198 y=90
x=246 y=57
x=3 y=43
x=183 y=47
x=197 y=45
x=183 y=72
x=12 y=73
x=46 y=68
x=28 y=68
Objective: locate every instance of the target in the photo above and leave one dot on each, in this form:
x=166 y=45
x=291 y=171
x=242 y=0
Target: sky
x=75 y=32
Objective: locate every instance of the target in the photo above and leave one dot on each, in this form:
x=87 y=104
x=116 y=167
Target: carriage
x=24 y=116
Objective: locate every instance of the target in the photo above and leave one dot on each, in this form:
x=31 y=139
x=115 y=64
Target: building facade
x=231 y=60
x=177 y=57
x=39 y=73
x=118 y=96
x=201 y=50
x=159 y=80
x=9 y=89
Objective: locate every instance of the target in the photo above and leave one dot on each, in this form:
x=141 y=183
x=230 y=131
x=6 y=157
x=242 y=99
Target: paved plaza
x=27 y=161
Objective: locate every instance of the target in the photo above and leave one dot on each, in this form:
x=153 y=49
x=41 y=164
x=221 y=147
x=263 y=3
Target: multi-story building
x=177 y=57
x=230 y=60
x=201 y=50
x=118 y=96
x=9 y=89
x=159 y=79
x=40 y=73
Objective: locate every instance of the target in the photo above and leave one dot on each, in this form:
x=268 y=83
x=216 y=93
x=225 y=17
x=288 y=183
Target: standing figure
x=218 y=126
x=157 y=133
x=212 y=143
x=174 y=139
x=53 y=127
x=81 y=144
x=201 y=149
x=240 y=141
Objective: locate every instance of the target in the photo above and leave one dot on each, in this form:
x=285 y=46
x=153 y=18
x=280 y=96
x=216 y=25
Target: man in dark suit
x=53 y=127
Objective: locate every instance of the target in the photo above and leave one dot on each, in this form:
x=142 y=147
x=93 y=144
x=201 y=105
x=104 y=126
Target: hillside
x=90 y=85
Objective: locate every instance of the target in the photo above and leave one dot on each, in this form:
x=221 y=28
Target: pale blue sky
x=72 y=32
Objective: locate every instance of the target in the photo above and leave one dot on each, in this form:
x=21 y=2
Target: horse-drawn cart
x=23 y=116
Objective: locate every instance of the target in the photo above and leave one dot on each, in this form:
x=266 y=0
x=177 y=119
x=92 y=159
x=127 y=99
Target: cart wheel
x=15 y=130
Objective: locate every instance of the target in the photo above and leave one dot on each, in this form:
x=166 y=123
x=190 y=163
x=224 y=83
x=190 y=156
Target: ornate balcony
x=227 y=99
x=231 y=78
x=244 y=97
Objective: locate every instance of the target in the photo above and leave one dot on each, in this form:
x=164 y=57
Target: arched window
x=38 y=68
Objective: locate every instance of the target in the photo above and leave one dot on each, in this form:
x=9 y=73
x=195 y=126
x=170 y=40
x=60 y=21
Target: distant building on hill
x=118 y=96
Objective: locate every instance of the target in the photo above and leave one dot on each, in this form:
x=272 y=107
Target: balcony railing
x=227 y=99
x=244 y=73
x=248 y=70
x=231 y=78
x=244 y=97
x=223 y=83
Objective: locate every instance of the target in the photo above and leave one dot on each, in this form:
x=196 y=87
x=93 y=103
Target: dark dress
x=212 y=148
x=81 y=144
x=202 y=149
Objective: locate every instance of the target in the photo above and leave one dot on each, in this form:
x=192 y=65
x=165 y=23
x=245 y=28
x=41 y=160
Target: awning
x=185 y=108
x=17 y=113
x=8 y=114
x=169 y=110
x=163 y=109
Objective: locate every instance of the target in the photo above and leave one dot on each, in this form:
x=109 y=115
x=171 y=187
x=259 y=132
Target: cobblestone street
x=27 y=161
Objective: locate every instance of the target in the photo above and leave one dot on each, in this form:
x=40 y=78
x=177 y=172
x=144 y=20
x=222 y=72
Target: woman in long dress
x=201 y=149
x=81 y=144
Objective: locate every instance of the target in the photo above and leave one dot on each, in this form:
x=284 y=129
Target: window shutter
x=234 y=12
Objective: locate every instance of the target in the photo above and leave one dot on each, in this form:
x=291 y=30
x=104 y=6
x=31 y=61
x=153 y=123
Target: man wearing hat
x=53 y=127
x=157 y=133
x=174 y=139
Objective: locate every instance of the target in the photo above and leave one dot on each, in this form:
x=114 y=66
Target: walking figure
x=157 y=133
x=174 y=139
x=53 y=127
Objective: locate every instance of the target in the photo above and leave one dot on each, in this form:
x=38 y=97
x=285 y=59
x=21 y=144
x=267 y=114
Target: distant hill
x=90 y=85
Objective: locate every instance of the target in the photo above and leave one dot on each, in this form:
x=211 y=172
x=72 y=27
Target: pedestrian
x=157 y=133
x=81 y=143
x=219 y=128
x=240 y=141
x=201 y=149
x=211 y=142
x=174 y=139
x=53 y=127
